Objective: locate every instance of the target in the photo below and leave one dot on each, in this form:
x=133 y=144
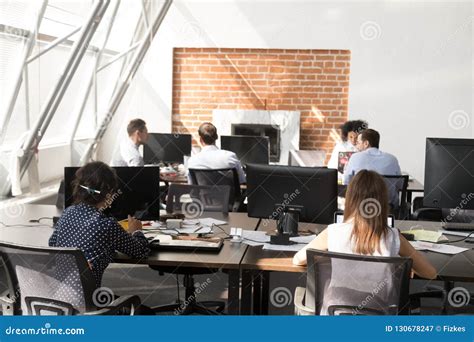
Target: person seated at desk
x=365 y=234
x=371 y=158
x=211 y=157
x=349 y=133
x=129 y=155
x=84 y=225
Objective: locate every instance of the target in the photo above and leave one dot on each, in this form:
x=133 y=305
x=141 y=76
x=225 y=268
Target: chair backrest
x=209 y=198
x=350 y=284
x=228 y=177
x=397 y=191
x=47 y=280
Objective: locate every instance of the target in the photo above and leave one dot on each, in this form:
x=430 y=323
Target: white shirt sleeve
x=235 y=162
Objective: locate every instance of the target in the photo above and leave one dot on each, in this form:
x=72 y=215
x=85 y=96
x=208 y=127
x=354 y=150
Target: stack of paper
x=426 y=235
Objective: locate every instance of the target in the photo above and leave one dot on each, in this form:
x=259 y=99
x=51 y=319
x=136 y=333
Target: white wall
x=406 y=81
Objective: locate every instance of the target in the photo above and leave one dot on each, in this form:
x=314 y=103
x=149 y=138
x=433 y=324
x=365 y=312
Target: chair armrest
x=122 y=302
x=300 y=308
x=419 y=211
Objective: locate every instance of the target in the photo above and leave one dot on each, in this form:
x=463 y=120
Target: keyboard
x=458 y=226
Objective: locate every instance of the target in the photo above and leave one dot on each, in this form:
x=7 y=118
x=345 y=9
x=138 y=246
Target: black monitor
x=139 y=193
x=449 y=173
x=166 y=148
x=249 y=149
x=313 y=189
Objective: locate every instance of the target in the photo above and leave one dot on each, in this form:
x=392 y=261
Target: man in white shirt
x=371 y=158
x=211 y=157
x=129 y=155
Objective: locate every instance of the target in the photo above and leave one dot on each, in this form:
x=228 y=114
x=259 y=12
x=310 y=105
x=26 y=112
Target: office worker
x=211 y=157
x=364 y=233
x=84 y=225
x=349 y=133
x=129 y=155
x=371 y=158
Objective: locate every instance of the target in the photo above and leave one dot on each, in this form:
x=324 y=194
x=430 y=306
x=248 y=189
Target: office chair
x=221 y=177
x=54 y=281
x=397 y=190
x=211 y=198
x=349 y=284
x=422 y=213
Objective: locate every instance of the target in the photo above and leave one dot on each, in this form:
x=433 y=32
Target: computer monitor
x=449 y=173
x=249 y=149
x=139 y=193
x=313 y=189
x=166 y=148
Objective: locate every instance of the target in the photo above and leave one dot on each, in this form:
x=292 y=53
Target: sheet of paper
x=284 y=248
x=255 y=236
x=303 y=239
x=425 y=235
x=438 y=248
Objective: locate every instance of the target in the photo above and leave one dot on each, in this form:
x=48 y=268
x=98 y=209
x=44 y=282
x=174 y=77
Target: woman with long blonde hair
x=365 y=230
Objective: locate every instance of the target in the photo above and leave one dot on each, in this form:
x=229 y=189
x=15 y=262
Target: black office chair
x=228 y=177
x=54 y=281
x=397 y=191
x=349 y=284
x=422 y=213
x=209 y=198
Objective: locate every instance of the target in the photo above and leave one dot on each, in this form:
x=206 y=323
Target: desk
x=228 y=259
x=257 y=264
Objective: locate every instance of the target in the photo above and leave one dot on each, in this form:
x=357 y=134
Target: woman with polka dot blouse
x=84 y=225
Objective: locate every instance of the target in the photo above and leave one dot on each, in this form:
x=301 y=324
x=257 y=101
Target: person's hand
x=133 y=224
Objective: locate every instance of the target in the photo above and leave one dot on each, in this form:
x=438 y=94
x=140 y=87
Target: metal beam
x=119 y=56
x=124 y=82
x=11 y=99
x=53 y=44
x=85 y=96
x=57 y=93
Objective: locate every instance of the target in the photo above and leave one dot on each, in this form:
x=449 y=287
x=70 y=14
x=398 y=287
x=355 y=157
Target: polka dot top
x=98 y=236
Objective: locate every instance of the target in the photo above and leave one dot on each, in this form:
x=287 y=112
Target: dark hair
x=357 y=126
x=372 y=136
x=135 y=125
x=367 y=205
x=208 y=133
x=96 y=176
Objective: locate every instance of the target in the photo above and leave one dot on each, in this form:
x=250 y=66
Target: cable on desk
x=459 y=240
x=24 y=225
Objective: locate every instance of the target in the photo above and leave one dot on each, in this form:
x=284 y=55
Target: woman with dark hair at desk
x=364 y=230
x=84 y=225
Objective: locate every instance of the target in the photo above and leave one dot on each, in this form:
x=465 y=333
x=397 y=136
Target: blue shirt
x=98 y=236
x=374 y=160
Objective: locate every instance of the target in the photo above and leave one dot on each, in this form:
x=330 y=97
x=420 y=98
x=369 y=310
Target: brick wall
x=314 y=82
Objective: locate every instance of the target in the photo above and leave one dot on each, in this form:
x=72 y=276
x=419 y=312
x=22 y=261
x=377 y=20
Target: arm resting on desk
x=320 y=242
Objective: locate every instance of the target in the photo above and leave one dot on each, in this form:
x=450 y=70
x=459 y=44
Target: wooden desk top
x=229 y=256
x=459 y=267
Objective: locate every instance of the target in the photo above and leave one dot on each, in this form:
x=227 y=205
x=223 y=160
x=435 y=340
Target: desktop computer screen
x=249 y=149
x=139 y=194
x=449 y=173
x=313 y=189
x=167 y=148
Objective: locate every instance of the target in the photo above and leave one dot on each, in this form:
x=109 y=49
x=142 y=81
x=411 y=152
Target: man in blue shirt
x=370 y=157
